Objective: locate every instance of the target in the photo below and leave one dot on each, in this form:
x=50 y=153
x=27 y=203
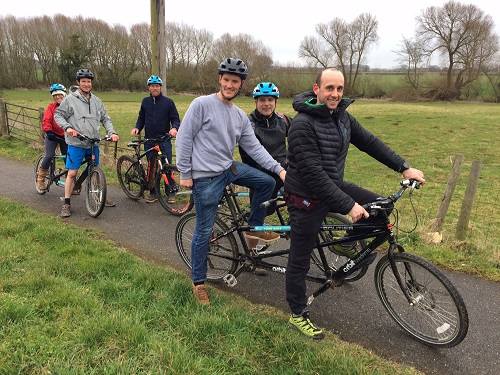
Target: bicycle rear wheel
x=222 y=254
x=95 y=197
x=436 y=314
x=174 y=198
x=336 y=255
x=50 y=172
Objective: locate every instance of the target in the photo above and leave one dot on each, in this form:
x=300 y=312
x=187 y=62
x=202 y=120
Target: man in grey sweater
x=209 y=133
x=81 y=112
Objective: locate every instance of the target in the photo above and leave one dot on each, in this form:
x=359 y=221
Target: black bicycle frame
x=378 y=232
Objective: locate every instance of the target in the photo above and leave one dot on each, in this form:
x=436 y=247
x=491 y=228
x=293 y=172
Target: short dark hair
x=320 y=74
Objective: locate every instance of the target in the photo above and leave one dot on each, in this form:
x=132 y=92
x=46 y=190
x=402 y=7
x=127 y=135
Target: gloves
x=51 y=136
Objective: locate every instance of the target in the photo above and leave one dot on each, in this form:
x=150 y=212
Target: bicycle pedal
x=230 y=280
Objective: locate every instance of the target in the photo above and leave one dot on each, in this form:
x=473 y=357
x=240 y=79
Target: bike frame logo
x=348 y=266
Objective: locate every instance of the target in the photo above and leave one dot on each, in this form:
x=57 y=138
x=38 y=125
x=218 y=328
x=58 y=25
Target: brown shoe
x=201 y=294
x=263 y=236
x=109 y=203
x=66 y=211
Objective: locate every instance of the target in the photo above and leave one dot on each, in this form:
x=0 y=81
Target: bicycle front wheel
x=436 y=313
x=223 y=251
x=129 y=175
x=337 y=255
x=95 y=198
x=174 y=198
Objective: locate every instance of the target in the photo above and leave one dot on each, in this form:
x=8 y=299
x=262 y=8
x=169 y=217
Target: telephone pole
x=158 y=42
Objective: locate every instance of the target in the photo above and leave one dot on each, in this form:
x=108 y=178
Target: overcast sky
x=280 y=24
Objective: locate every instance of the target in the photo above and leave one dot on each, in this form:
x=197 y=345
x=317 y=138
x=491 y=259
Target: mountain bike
x=415 y=293
x=160 y=174
x=95 y=192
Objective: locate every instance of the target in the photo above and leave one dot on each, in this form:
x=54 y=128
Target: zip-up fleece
x=83 y=115
x=156 y=116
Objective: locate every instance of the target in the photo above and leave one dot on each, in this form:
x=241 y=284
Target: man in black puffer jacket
x=318 y=142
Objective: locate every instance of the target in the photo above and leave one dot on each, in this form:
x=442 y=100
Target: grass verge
x=71 y=302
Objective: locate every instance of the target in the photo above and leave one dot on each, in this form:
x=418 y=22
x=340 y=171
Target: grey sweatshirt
x=84 y=115
x=208 y=136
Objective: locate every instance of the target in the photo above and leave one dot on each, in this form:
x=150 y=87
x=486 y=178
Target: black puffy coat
x=271 y=133
x=318 y=142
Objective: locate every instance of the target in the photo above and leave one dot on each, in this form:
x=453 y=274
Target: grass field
x=90 y=307
x=428 y=135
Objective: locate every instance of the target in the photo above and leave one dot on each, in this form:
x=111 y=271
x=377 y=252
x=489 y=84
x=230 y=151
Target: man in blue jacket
x=159 y=116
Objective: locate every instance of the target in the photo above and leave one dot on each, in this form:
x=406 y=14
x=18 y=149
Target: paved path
x=352 y=311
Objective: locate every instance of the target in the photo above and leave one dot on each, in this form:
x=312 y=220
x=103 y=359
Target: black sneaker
x=304 y=325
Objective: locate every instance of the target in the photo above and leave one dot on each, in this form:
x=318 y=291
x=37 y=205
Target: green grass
x=71 y=302
x=428 y=135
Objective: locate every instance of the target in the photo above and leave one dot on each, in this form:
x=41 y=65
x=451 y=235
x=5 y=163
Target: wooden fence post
x=4 y=130
x=470 y=193
x=41 y=112
x=448 y=193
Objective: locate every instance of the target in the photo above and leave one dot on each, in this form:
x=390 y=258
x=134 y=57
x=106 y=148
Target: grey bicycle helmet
x=233 y=66
x=84 y=73
x=266 y=89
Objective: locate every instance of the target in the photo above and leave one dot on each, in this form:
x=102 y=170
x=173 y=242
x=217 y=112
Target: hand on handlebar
x=414 y=174
x=358 y=212
x=173 y=132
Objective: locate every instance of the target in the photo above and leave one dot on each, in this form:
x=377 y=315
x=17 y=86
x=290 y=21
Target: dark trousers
x=303 y=236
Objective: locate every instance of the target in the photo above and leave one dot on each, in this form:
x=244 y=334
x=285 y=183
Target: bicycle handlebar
x=405 y=184
x=83 y=137
x=157 y=140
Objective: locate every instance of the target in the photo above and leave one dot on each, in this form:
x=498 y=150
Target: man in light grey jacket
x=81 y=112
x=208 y=135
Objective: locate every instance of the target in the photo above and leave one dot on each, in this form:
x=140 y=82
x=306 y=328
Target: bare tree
x=253 y=52
x=341 y=43
x=413 y=58
x=463 y=35
x=19 y=57
x=141 y=48
x=315 y=52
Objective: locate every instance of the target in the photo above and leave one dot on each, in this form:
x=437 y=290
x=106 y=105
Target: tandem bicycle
x=415 y=293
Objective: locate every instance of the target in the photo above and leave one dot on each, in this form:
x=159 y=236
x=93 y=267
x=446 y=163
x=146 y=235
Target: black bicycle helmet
x=234 y=66
x=84 y=73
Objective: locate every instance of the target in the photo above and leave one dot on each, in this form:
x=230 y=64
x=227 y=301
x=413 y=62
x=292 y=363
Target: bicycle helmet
x=57 y=88
x=233 y=66
x=84 y=73
x=266 y=89
x=155 y=80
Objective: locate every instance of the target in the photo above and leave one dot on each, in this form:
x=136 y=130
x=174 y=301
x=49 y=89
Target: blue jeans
x=207 y=193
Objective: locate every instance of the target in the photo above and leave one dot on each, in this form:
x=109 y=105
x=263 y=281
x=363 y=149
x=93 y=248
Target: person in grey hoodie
x=212 y=127
x=81 y=112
